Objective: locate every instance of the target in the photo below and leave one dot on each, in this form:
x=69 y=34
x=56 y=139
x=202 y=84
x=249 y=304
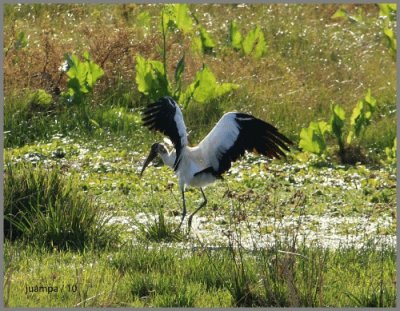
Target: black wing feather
x=161 y=116
x=254 y=135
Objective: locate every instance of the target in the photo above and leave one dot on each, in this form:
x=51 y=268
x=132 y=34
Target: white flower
x=64 y=67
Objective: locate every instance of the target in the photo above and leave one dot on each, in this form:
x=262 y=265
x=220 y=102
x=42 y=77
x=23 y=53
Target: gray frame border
x=197 y=2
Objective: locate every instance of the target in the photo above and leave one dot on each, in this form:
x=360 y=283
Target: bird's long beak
x=153 y=153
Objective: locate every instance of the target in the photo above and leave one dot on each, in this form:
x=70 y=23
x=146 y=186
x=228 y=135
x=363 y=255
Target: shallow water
x=322 y=231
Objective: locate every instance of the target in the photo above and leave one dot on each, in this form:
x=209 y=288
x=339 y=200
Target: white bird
x=199 y=166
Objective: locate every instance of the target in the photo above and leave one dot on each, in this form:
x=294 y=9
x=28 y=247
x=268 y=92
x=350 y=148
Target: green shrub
x=391 y=157
x=253 y=44
x=312 y=139
x=40 y=98
x=82 y=77
x=160 y=230
x=388 y=12
x=43 y=207
x=152 y=76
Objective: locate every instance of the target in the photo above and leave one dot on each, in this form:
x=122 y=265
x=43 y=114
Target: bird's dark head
x=156 y=149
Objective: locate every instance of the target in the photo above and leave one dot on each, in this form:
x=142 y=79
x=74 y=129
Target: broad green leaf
x=337 y=122
x=391 y=152
x=143 y=75
x=21 y=41
x=389 y=32
x=307 y=141
x=86 y=55
x=183 y=19
x=74 y=85
x=225 y=88
x=150 y=78
x=205 y=87
x=350 y=137
x=82 y=76
x=384 y=9
x=197 y=45
x=356 y=121
x=41 y=97
x=388 y=10
x=77 y=74
x=340 y=13
x=208 y=88
x=167 y=17
x=207 y=84
x=160 y=85
x=254 y=42
x=179 y=70
x=261 y=46
x=337 y=119
x=392 y=39
x=248 y=42
x=206 y=40
x=361 y=115
x=312 y=139
x=357 y=113
x=339 y=112
x=235 y=37
x=203 y=43
x=157 y=66
x=94 y=72
x=177 y=15
x=323 y=127
x=370 y=100
x=143 y=19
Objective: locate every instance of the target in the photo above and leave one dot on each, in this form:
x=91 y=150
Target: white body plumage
x=200 y=166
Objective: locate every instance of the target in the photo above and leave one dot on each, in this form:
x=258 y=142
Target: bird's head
x=156 y=149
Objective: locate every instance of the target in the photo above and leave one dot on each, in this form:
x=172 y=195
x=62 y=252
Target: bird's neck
x=168 y=158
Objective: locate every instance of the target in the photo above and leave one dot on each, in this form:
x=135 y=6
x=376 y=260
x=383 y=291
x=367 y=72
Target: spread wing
x=236 y=133
x=166 y=117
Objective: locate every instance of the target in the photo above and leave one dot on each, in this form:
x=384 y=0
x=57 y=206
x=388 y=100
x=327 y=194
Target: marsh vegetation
x=316 y=229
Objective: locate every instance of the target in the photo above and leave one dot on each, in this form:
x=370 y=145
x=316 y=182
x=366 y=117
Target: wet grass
x=160 y=230
x=304 y=232
x=224 y=262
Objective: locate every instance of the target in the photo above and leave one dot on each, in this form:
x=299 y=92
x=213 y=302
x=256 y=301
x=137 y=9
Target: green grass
x=44 y=208
x=153 y=275
x=163 y=274
x=160 y=230
x=82 y=162
x=308 y=65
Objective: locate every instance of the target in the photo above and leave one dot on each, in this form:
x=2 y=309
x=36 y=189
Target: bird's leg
x=200 y=207
x=183 y=209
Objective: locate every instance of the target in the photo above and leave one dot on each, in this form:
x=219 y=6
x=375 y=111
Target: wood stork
x=199 y=166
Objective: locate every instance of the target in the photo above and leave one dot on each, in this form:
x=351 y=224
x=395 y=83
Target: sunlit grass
x=44 y=208
x=150 y=275
x=160 y=230
x=309 y=64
